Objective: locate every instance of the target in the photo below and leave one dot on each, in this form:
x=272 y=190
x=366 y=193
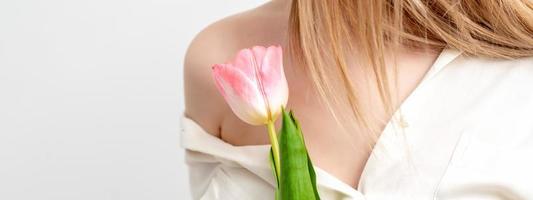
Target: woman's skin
x=343 y=157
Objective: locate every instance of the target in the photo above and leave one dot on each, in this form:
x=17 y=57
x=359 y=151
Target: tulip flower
x=254 y=84
x=255 y=87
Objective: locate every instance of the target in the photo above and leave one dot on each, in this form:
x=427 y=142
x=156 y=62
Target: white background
x=91 y=93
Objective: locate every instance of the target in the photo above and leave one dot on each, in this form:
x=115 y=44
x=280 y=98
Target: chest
x=340 y=150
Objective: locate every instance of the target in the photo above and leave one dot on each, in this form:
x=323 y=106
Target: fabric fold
x=206 y=149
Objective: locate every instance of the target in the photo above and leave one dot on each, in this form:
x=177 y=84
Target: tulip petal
x=244 y=61
x=241 y=94
x=273 y=79
x=259 y=53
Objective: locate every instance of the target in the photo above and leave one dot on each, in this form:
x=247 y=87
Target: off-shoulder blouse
x=466 y=133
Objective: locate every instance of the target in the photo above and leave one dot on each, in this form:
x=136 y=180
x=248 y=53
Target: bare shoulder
x=218 y=43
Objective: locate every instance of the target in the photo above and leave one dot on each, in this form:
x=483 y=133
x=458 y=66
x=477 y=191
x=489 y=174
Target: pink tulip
x=254 y=84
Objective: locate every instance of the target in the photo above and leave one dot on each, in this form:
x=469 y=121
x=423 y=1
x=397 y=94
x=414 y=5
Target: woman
x=398 y=99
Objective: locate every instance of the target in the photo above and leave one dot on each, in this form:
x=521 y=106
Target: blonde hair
x=323 y=33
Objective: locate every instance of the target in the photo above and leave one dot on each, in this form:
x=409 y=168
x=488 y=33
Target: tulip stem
x=275 y=146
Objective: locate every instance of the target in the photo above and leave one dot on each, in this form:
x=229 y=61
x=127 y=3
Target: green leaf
x=273 y=167
x=313 y=176
x=297 y=179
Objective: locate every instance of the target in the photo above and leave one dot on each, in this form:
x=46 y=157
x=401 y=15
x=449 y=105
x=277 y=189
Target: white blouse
x=467 y=133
